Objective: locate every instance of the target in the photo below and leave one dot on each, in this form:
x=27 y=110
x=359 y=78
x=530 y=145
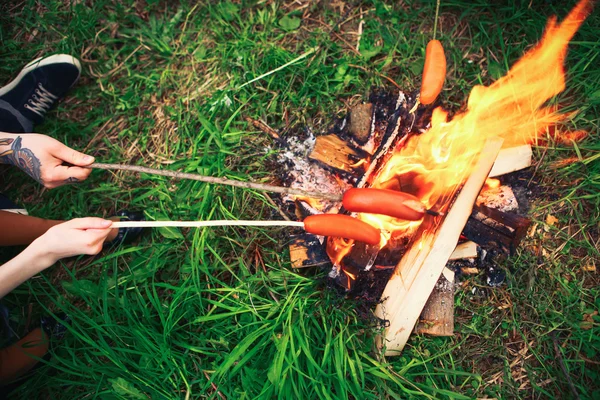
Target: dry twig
x=221 y=181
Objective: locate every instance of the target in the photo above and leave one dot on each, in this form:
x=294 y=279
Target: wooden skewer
x=201 y=224
x=324 y=225
x=222 y=181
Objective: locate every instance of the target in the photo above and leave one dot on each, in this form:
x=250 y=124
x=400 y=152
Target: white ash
x=401 y=99
x=307 y=175
x=501 y=198
x=444 y=285
x=334 y=273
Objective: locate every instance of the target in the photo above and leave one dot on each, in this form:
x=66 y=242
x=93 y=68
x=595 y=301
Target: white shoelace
x=41 y=101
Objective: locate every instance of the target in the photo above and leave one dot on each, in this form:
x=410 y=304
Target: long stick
x=437 y=10
x=200 y=224
x=221 y=181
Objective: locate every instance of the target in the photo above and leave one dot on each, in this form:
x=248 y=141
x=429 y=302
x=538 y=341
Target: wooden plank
x=419 y=269
x=512 y=159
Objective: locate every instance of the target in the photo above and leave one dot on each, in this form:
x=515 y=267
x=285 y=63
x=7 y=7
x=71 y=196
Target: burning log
x=490 y=227
x=501 y=198
x=419 y=269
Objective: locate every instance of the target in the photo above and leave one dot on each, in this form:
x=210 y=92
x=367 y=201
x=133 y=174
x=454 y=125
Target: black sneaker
x=126 y=235
x=25 y=101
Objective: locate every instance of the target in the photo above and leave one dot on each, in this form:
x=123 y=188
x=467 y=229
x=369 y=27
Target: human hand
x=71 y=238
x=43 y=158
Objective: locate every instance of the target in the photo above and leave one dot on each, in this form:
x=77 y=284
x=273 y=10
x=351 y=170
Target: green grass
x=219 y=313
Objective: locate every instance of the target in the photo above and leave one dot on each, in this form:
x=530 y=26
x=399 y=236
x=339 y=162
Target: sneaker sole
x=40 y=62
x=21 y=211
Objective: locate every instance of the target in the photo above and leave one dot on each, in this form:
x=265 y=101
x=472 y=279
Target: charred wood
x=491 y=228
x=306 y=250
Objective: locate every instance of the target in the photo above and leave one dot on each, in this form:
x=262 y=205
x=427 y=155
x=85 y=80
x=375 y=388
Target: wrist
x=41 y=256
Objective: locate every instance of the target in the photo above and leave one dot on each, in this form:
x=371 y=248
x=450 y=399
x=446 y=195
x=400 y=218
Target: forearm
x=17 y=229
x=28 y=263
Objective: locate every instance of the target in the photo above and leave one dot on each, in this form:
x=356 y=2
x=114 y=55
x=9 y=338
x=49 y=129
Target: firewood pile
x=464 y=170
x=340 y=159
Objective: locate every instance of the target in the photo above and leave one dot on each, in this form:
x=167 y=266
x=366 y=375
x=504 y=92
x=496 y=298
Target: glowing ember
x=429 y=165
x=491 y=183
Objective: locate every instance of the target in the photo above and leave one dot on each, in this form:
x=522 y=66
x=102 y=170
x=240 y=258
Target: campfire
x=450 y=164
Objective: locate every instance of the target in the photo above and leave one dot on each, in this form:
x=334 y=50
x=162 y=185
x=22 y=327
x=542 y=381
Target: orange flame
x=351 y=275
x=338 y=248
x=512 y=108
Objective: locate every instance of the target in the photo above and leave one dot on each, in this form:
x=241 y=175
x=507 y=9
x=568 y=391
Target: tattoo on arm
x=21 y=157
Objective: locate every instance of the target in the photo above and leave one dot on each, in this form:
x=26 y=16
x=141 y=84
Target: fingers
x=102 y=234
x=71 y=156
x=63 y=174
x=90 y=223
x=75 y=237
x=95 y=240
